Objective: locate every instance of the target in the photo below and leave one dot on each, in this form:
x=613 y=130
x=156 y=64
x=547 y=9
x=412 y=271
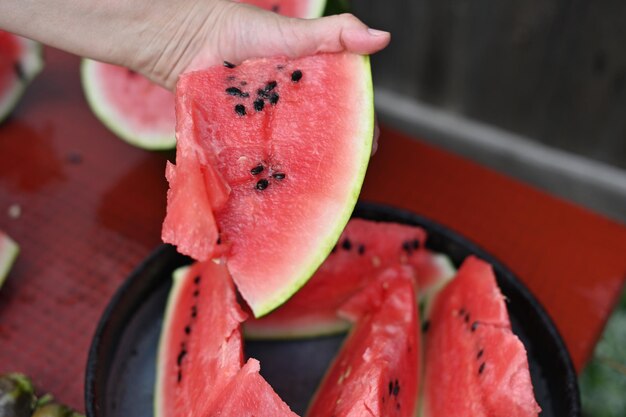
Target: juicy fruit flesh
x=200 y=342
x=316 y=131
x=376 y=371
x=475 y=365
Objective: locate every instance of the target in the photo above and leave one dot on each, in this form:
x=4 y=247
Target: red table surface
x=91 y=209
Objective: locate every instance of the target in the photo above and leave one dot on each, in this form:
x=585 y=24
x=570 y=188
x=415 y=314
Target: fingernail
x=376 y=32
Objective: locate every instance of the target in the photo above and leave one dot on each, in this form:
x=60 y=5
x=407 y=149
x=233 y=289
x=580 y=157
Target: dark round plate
x=121 y=364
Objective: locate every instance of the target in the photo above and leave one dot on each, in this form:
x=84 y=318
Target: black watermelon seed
x=262 y=93
x=257 y=170
x=347 y=245
x=467 y=318
x=425 y=326
x=275 y=8
x=396 y=389
x=296 y=76
x=196 y=280
x=219 y=240
x=361 y=249
x=390 y=387
x=187 y=329
x=19 y=71
x=262 y=184
x=462 y=311
x=274 y=98
x=196 y=293
x=279 y=175
x=181 y=356
x=415 y=243
x=406 y=246
x=229 y=65
x=240 y=109
x=474 y=326
x=480 y=354
x=270 y=86
x=481 y=368
x=180 y=376
x=194 y=311
x=259 y=104
x=234 y=91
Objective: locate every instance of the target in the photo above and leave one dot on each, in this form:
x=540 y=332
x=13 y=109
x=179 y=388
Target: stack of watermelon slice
x=464 y=361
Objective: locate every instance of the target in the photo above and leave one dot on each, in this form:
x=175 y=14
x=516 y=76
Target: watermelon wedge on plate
x=141 y=112
x=288 y=142
x=9 y=250
x=20 y=61
x=473 y=363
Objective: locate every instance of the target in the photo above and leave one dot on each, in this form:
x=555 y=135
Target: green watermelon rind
x=178 y=280
x=32 y=63
x=7 y=258
x=106 y=115
x=367 y=133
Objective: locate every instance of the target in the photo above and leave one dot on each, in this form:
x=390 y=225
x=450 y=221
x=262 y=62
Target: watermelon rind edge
x=103 y=112
x=7 y=259
x=32 y=65
x=178 y=278
x=367 y=133
x=316 y=9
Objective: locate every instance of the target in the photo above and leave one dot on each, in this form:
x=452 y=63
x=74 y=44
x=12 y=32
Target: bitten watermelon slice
x=291 y=139
x=200 y=349
x=364 y=248
x=377 y=369
x=20 y=61
x=474 y=364
x=141 y=112
x=9 y=250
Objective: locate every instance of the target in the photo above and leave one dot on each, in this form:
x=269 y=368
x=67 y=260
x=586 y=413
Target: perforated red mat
x=91 y=208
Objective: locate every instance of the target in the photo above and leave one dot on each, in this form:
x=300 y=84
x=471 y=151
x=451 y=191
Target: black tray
x=121 y=364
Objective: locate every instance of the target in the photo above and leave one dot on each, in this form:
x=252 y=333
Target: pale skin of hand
x=163 y=38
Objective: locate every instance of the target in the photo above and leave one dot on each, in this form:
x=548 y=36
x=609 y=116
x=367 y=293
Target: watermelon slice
x=20 y=61
x=474 y=364
x=309 y=9
x=135 y=109
x=248 y=394
x=141 y=112
x=9 y=250
x=291 y=139
x=376 y=372
x=364 y=249
x=200 y=349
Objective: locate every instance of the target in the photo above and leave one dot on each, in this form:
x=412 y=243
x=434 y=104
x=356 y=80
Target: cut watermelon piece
x=248 y=394
x=364 y=249
x=474 y=364
x=134 y=108
x=292 y=140
x=377 y=369
x=200 y=349
x=9 y=250
x=309 y=9
x=20 y=61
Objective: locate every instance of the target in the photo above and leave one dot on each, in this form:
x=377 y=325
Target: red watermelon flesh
x=474 y=364
x=248 y=394
x=292 y=8
x=20 y=61
x=200 y=349
x=291 y=139
x=9 y=250
x=377 y=369
x=364 y=249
